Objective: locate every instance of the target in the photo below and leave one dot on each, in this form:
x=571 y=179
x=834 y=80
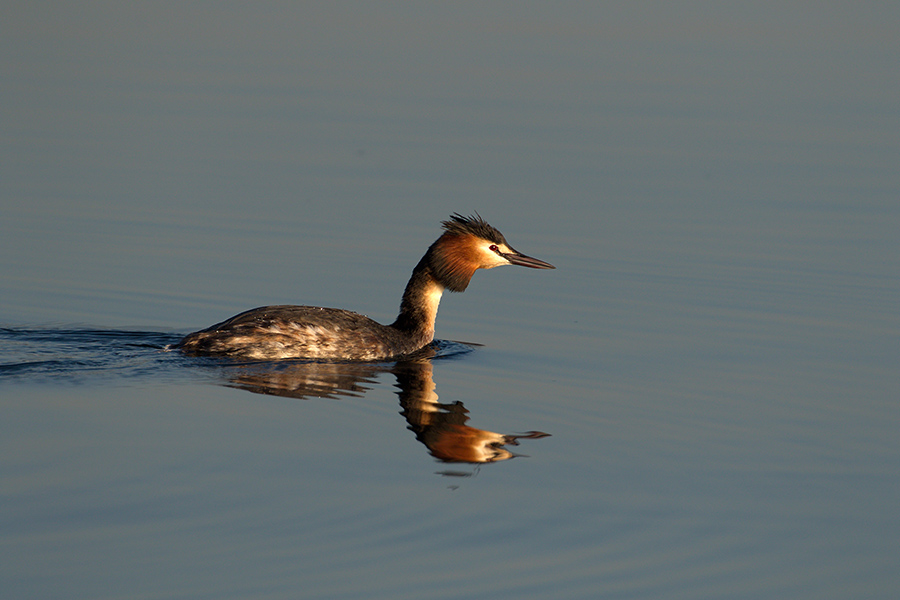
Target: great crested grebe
x=274 y=332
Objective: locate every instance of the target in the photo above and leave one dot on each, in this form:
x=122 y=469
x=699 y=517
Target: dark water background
x=714 y=358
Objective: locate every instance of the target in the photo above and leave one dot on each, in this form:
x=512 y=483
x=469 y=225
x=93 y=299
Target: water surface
x=700 y=401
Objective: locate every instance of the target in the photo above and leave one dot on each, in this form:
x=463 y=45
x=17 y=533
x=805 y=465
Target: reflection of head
x=460 y=443
x=442 y=427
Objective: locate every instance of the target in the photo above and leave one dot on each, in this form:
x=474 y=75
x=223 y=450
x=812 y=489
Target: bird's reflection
x=441 y=427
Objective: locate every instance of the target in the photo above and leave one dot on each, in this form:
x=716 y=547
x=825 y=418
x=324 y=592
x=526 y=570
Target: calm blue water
x=699 y=402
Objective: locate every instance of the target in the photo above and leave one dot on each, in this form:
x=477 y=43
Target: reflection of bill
x=441 y=427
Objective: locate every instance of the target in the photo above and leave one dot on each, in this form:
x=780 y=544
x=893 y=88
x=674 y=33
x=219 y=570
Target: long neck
x=419 y=306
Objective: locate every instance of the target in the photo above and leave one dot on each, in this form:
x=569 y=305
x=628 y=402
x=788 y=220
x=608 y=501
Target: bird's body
x=276 y=332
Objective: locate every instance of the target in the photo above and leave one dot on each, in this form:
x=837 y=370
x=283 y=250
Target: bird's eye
x=494 y=248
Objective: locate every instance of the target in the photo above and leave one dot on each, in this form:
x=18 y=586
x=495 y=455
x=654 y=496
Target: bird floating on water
x=276 y=332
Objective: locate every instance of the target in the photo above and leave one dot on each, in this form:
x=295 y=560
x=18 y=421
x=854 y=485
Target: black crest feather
x=474 y=225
